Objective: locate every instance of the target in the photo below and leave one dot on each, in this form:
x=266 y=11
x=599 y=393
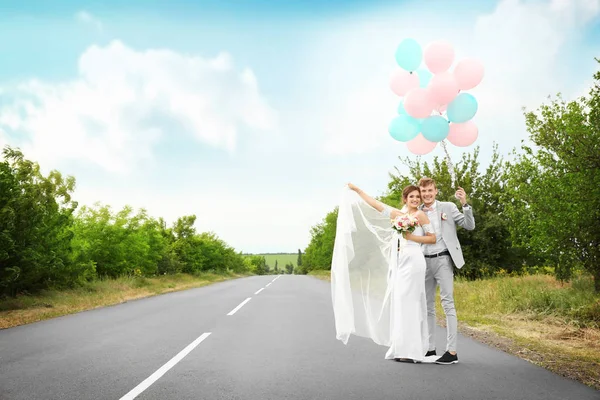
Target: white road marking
x=268 y=284
x=136 y=391
x=259 y=290
x=240 y=306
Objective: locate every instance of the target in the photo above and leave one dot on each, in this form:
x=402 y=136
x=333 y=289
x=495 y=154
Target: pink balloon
x=468 y=73
x=403 y=81
x=442 y=109
x=420 y=146
x=418 y=104
x=438 y=56
x=463 y=135
x=443 y=88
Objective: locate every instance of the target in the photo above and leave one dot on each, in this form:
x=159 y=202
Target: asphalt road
x=214 y=343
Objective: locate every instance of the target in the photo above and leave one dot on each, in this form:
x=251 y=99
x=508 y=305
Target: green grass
x=551 y=324
x=538 y=296
x=324 y=274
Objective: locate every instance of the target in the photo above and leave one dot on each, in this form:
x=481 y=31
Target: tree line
x=46 y=241
x=539 y=211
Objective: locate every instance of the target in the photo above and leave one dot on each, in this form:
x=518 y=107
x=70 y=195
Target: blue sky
x=253 y=115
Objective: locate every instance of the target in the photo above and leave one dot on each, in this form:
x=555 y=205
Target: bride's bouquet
x=405 y=223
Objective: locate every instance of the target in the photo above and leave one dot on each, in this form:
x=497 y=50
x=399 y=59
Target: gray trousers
x=439 y=272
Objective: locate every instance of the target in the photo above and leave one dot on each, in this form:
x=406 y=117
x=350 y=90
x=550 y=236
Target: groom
x=444 y=217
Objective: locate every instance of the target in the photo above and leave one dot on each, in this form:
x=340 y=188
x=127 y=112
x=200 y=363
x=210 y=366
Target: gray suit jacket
x=454 y=217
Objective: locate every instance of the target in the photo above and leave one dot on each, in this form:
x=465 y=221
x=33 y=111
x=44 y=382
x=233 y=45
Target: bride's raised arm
x=379 y=206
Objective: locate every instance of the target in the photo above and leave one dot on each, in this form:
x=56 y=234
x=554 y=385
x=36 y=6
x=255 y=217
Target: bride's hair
x=408 y=190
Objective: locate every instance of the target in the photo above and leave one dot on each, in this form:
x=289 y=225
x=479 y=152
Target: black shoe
x=447 y=359
x=431 y=353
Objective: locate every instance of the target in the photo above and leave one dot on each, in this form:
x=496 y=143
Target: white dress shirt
x=434 y=217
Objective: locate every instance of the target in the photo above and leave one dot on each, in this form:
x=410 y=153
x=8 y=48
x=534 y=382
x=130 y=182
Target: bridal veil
x=360 y=270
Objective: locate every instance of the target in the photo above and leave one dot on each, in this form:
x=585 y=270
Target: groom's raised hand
x=461 y=195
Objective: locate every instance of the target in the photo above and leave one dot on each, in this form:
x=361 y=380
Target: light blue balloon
x=401 y=110
x=435 y=128
x=424 y=77
x=409 y=55
x=404 y=128
x=462 y=108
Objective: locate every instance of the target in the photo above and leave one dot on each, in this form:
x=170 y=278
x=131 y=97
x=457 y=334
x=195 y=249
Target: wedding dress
x=408 y=311
x=378 y=291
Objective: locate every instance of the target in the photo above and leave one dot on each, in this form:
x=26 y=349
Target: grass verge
x=54 y=303
x=536 y=318
x=553 y=325
x=321 y=274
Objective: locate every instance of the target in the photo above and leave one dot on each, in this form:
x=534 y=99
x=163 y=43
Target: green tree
x=169 y=262
x=257 y=264
x=289 y=267
x=319 y=252
x=554 y=194
x=120 y=243
x=299 y=262
x=216 y=255
x=44 y=244
x=488 y=247
x=187 y=244
x=36 y=214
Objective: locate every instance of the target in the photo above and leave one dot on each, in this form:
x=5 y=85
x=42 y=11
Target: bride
x=378 y=274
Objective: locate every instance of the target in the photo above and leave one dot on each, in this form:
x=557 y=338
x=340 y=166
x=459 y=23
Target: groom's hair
x=425 y=181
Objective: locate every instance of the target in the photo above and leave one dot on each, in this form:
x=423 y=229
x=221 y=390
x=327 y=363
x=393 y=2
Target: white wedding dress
x=377 y=291
x=408 y=326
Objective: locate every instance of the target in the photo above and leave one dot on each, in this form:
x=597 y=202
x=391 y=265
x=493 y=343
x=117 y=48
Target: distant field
x=282 y=259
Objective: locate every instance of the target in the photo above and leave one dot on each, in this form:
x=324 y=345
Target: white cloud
x=521 y=43
x=125 y=101
x=87 y=18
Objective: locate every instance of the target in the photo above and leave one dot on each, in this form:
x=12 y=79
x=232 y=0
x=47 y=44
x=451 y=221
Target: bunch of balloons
x=434 y=105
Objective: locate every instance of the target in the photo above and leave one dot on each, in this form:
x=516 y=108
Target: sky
x=253 y=115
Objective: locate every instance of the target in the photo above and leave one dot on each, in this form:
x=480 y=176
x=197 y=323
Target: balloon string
x=450 y=165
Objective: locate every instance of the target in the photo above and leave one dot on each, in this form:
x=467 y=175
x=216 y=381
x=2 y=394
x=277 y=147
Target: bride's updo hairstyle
x=408 y=190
